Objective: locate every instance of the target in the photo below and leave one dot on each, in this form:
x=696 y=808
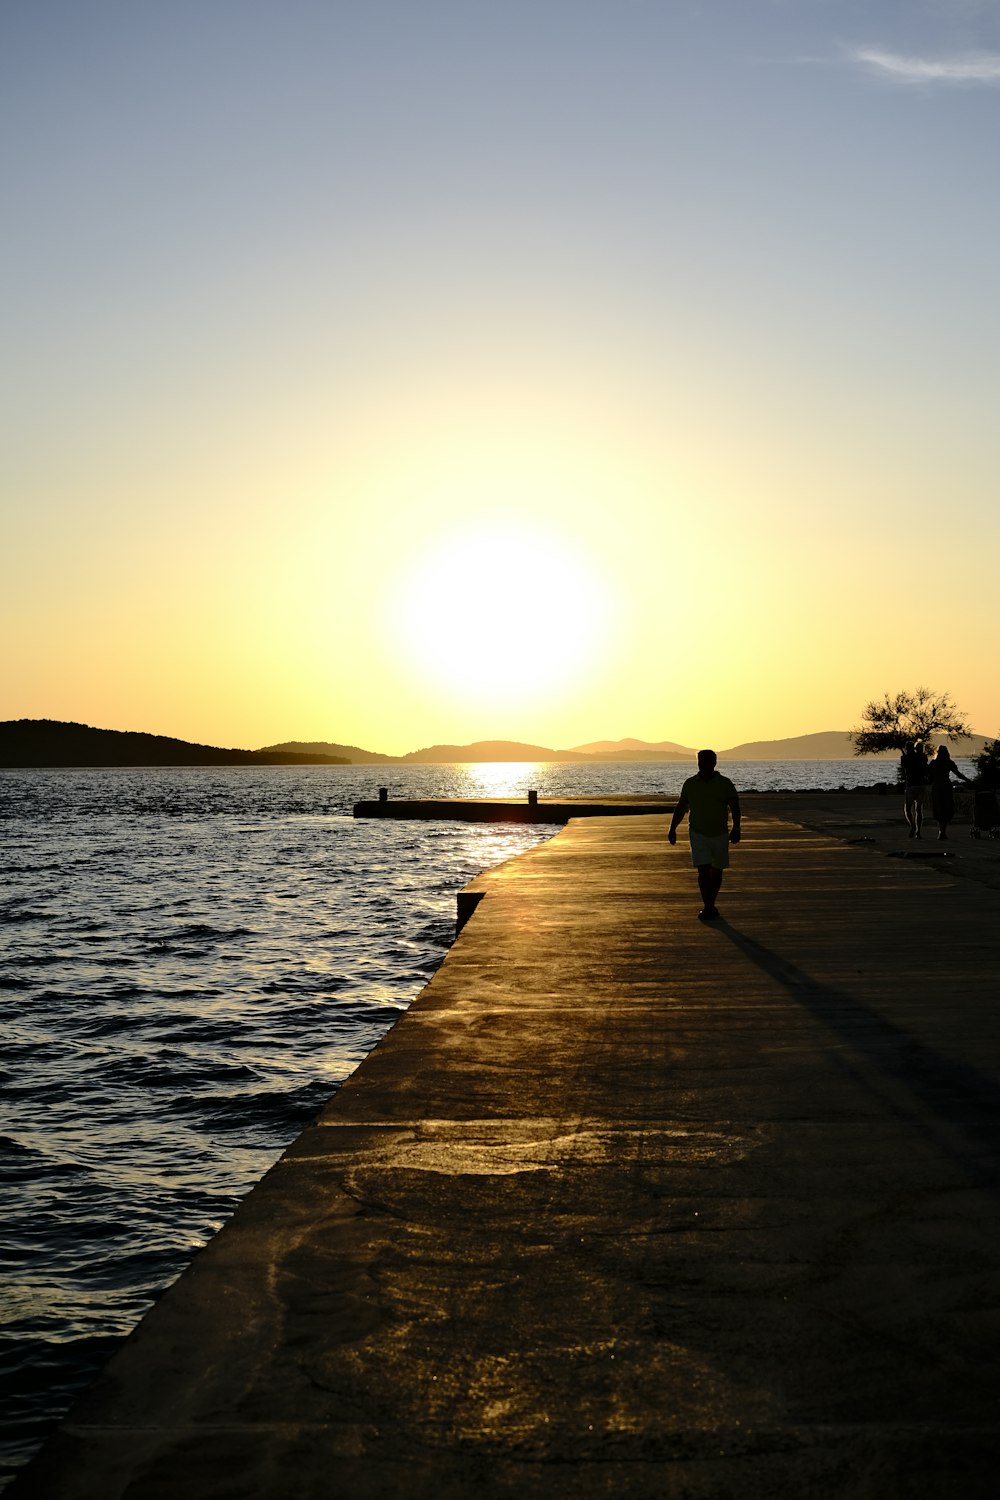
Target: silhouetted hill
x=48 y=742
x=829 y=744
x=631 y=757
x=628 y=749
x=486 y=750
x=354 y=755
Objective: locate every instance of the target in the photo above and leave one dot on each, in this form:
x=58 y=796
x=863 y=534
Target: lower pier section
x=510 y=809
x=626 y=1205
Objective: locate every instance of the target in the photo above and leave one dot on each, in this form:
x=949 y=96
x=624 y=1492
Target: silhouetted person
x=916 y=774
x=709 y=797
x=942 y=768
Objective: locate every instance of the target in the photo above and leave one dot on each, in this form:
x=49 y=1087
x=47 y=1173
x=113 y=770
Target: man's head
x=706 y=762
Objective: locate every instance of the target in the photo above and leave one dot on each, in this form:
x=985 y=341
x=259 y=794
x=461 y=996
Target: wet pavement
x=626 y=1205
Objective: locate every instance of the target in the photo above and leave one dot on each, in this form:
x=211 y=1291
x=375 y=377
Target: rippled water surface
x=193 y=959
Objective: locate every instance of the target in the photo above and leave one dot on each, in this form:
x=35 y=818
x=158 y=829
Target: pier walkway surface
x=625 y=1205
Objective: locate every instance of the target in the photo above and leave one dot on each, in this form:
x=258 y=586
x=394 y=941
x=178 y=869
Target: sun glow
x=502 y=778
x=501 y=612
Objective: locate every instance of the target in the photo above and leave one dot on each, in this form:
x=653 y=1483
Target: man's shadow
x=953 y=1104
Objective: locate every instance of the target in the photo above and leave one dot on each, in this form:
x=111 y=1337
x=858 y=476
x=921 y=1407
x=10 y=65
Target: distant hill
x=626 y=749
x=487 y=750
x=48 y=742
x=829 y=744
x=631 y=757
x=353 y=754
x=833 y=744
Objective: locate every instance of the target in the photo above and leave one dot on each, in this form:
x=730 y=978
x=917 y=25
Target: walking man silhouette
x=709 y=797
x=916 y=774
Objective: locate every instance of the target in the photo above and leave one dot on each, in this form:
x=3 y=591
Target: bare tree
x=899 y=719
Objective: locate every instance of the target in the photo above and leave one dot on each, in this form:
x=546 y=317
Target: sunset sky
x=401 y=371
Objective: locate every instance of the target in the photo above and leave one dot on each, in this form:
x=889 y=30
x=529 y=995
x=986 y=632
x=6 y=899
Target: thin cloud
x=976 y=67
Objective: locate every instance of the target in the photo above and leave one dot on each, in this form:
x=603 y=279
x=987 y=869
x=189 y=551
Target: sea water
x=191 y=961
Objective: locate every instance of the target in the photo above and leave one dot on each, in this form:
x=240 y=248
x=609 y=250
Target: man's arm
x=679 y=813
x=734 y=808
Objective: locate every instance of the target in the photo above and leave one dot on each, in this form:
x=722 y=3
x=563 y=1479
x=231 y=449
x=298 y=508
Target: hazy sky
x=402 y=371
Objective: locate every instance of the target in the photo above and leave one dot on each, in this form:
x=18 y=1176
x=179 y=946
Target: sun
x=501 y=611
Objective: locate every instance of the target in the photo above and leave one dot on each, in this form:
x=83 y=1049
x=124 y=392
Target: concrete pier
x=624 y=1206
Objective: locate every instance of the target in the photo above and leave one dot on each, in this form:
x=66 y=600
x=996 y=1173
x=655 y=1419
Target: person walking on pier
x=942 y=769
x=916 y=774
x=709 y=797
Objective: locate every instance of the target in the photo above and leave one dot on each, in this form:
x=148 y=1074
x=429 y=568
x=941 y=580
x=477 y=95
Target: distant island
x=49 y=742
x=828 y=744
x=831 y=744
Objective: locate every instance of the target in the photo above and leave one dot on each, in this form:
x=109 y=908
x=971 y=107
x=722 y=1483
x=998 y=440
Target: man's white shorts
x=709 y=849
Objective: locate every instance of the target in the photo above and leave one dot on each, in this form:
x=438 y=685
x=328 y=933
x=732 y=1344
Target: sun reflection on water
x=502 y=778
